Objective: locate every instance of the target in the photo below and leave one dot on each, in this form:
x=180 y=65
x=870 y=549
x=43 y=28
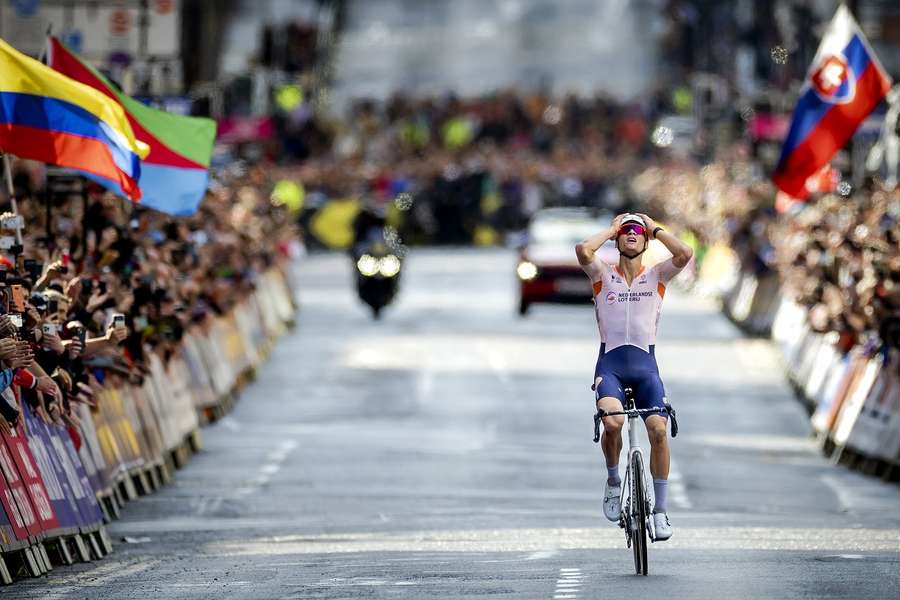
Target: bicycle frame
x=634 y=449
x=626 y=497
x=631 y=517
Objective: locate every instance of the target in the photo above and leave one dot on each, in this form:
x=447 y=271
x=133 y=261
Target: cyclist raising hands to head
x=627 y=300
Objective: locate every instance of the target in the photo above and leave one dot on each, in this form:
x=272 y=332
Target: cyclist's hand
x=651 y=224
x=616 y=224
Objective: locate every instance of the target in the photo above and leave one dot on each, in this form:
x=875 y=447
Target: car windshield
x=564 y=231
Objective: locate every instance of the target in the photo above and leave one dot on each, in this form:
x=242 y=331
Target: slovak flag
x=844 y=84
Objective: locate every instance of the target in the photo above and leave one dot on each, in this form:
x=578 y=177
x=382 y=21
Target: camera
x=118 y=320
x=7 y=242
x=50 y=328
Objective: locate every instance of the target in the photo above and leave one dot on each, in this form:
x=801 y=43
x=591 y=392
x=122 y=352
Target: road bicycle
x=635 y=516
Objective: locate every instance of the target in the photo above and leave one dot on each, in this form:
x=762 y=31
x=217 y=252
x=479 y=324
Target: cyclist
x=628 y=300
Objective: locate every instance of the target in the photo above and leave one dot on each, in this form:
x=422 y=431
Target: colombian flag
x=48 y=117
x=844 y=84
x=174 y=175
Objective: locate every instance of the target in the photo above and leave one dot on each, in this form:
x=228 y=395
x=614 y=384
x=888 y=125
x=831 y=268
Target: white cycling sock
x=660 y=490
x=612 y=474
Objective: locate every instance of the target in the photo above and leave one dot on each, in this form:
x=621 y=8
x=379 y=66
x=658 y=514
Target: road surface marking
x=276 y=458
x=107 y=573
x=840 y=492
x=677 y=490
x=568 y=584
x=809 y=539
x=230 y=423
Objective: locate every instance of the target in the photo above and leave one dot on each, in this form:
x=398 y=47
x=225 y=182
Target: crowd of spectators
x=98 y=284
x=840 y=259
x=496 y=159
x=491 y=160
x=837 y=255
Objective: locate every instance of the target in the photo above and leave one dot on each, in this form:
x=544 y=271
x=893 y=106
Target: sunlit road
x=445 y=452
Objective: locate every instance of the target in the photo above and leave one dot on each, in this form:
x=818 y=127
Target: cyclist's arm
x=586 y=249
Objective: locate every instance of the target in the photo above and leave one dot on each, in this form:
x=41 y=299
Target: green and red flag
x=175 y=173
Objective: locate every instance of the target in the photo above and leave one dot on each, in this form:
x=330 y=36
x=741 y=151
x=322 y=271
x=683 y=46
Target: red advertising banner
x=30 y=488
x=14 y=498
x=12 y=527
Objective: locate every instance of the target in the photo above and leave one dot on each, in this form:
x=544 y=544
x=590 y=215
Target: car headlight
x=389 y=266
x=526 y=270
x=367 y=265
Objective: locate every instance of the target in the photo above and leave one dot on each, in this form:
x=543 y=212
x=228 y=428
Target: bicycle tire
x=639 y=514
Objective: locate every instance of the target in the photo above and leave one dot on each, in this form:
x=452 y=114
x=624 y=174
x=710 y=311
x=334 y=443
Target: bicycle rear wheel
x=638 y=516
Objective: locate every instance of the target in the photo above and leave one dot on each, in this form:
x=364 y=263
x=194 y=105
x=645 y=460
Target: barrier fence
x=60 y=485
x=853 y=397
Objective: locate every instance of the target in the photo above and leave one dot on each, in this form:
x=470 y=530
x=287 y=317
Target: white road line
x=425 y=384
x=496 y=363
x=678 y=496
x=276 y=457
x=230 y=423
x=568 y=584
x=677 y=490
x=542 y=555
x=108 y=573
x=840 y=492
x=127 y=571
x=99 y=570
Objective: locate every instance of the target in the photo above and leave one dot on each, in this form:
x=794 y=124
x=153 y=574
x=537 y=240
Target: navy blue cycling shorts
x=629 y=366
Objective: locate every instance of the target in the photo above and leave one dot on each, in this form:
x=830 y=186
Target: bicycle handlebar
x=635 y=412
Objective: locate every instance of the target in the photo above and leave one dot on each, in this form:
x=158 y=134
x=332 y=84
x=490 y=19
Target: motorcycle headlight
x=367 y=265
x=390 y=265
x=526 y=270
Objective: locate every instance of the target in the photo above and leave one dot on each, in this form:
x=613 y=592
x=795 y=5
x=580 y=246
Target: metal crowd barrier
x=853 y=398
x=59 y=486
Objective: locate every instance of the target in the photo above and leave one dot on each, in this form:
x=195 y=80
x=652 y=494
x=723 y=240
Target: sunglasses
x=635 y=228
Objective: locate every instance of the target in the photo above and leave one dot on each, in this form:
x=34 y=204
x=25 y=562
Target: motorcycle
x=378 y=276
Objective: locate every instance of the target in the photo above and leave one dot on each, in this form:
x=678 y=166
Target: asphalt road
x=445 y=452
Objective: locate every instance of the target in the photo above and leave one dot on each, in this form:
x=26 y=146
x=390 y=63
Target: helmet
x=633 y=218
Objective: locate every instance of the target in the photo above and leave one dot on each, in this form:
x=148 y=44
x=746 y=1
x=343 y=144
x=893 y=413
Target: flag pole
x=48 y=194
x=43 y=56
x=12 y=196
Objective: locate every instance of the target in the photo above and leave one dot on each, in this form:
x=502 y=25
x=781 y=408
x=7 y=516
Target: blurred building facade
x=240 y=50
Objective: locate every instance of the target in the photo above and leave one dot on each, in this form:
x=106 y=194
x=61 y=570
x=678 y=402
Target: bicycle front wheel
x=638 y=516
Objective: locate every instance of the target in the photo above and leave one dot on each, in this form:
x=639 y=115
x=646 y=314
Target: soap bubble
x=844 y=188
x=662 y=137
x=403 y=201
x=779 y=55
